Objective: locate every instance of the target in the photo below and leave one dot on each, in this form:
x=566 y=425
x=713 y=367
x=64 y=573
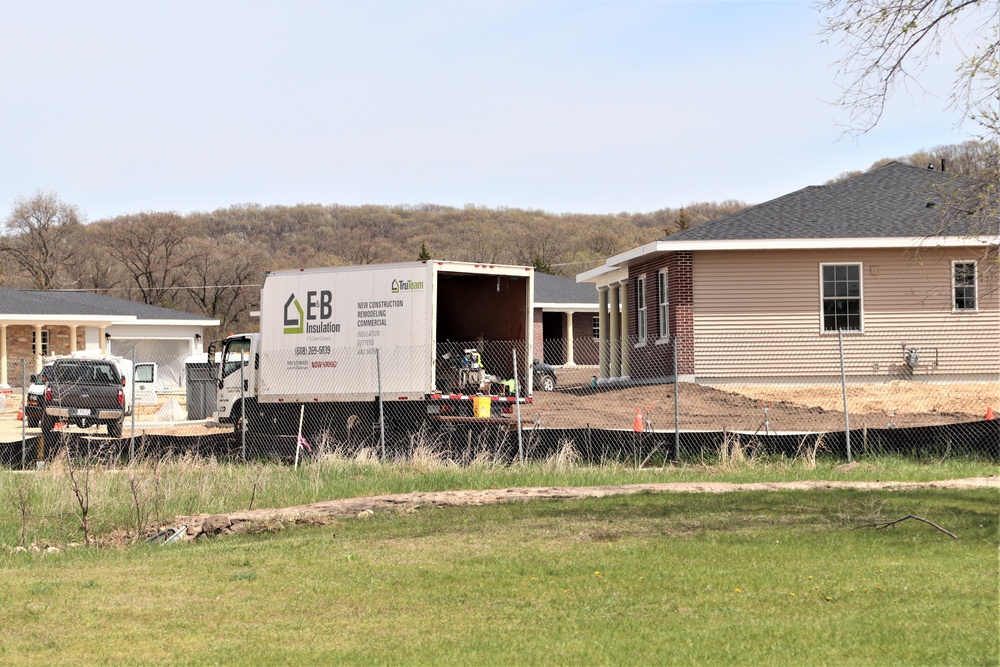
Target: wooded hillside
x=212 y=263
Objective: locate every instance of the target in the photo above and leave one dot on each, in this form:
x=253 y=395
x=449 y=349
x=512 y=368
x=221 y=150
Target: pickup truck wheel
x=547 y=382
x=115 y=429
x=49 y=437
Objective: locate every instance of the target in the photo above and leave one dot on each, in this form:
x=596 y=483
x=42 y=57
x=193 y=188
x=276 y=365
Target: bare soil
x=204 y=524
x=895 y=403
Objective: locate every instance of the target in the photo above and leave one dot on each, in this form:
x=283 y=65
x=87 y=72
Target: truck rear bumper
x=83 y=413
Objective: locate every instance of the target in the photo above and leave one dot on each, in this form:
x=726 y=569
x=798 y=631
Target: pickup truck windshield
x=94 y=373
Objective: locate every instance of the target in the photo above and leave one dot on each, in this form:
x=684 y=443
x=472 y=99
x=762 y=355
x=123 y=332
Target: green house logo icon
x=295 y=321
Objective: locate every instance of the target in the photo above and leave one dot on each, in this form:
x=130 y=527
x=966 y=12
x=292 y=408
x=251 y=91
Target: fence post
x=517 y=407
x=677 y=408
x=381 y=412
x=243 y=411
x=24 y=417
x=131 y=444
x=843 y=389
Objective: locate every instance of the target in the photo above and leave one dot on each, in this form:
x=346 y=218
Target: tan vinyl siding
x=757 y=315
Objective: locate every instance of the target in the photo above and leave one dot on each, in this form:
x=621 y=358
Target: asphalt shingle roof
x=556 y=289
x=889 y=201
x=60 y=302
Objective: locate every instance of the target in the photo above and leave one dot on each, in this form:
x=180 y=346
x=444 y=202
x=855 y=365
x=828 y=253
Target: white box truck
x=424 y=338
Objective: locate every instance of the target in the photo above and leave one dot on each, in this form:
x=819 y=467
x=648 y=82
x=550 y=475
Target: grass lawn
x=748 y=578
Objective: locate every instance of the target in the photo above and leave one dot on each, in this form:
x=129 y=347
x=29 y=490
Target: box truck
x=426 y=340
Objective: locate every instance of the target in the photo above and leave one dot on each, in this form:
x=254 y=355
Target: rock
x=53 y=550
x=364 y=514
x=217 y=523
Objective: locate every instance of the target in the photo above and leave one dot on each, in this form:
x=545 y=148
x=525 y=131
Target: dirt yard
x=899 y=403
x=204 y=524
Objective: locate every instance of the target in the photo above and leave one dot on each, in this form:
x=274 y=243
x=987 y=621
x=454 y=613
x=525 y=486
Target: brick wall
x=584 y=345
x=19 y=341
x=654 y=360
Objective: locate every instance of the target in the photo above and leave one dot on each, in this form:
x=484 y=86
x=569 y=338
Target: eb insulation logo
x=319 y=309
x=296 y=323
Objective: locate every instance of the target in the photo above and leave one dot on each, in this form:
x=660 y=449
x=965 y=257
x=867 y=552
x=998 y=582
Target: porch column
x=101 y=331
x=615 y=358
x=569 y=339
x=626 y=343
x=72 y=338
x=3 y=354
x=38 y=348
x=602 y=332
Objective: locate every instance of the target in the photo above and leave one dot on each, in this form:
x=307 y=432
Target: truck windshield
x=237 y=354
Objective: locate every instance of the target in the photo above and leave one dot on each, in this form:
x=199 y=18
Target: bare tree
x=888 y=43
x=93 y=268
x=152 y=247
x=224 y=278
x=39 y=237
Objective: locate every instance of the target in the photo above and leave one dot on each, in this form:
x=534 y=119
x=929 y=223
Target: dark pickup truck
x=84 y=392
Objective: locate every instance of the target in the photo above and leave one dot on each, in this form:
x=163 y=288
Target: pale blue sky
x=566 y=106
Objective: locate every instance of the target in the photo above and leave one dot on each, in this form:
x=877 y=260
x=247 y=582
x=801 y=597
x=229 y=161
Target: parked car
x=33 y=407
x=543 y=375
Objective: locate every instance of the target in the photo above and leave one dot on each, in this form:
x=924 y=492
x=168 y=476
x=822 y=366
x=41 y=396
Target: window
x=235 y=356
x=640 y=306
x=597 y=328
x=963 y=277
x=45 y=343
x=841 y=297
x=662 y=301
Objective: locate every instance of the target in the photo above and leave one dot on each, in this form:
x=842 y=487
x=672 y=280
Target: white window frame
x=663 y=305
x=860 y=299
x=955 y=286
x=45 y=342
x=596 y=328
x=640 y=309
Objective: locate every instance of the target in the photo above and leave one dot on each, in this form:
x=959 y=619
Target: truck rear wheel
x=115 y=429
x=50 y=439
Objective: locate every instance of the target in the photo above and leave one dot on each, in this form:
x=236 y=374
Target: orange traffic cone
x=20 y=414
x=637 y=425
x=989 y=413
x=57 y=426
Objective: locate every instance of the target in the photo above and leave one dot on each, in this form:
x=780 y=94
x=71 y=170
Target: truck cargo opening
x=488 y=308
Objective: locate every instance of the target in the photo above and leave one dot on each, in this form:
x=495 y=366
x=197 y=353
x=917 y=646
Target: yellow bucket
x=481 y=406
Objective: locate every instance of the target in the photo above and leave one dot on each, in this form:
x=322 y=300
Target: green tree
x=424 y=255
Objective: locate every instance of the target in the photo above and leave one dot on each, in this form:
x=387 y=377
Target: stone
x=217 y=523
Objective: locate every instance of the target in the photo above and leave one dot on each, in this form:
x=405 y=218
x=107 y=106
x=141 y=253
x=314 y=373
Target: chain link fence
x=755 y=394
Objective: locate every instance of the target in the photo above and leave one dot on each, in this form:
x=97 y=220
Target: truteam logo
x=319 y=307
x=407 y=286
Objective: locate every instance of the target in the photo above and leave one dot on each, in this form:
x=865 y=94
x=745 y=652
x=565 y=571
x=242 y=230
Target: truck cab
x=237 y=378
